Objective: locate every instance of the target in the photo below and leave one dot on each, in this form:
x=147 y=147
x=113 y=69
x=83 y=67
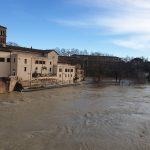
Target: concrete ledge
x=49 y=87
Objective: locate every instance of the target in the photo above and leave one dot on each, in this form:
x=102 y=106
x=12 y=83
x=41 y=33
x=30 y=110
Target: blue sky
x=118 y=27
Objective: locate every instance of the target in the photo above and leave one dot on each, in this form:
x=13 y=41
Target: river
x=84 y=117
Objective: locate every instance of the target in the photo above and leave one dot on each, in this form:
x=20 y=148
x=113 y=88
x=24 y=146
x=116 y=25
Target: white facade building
x=65 y=73
x=27 y=64
x=30 y=66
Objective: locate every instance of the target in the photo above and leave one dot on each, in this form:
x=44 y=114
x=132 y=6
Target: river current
x=84 y=117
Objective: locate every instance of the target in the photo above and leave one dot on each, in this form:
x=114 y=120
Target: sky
x=117 y=27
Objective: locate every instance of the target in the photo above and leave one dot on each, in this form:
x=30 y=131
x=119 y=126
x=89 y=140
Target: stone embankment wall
x=39 y=82
x=3 y=86
x=7 y=85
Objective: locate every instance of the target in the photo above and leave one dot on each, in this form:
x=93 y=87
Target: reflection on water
x=85 y=117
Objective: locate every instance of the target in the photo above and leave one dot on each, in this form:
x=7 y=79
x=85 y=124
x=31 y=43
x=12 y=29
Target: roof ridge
x=3 y=27
x=26 y=49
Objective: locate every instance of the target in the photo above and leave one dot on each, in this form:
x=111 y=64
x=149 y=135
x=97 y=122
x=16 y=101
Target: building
x=3 y=36
x=32 y=67
x=92 y=64
x=66 y=73
x=27 y=64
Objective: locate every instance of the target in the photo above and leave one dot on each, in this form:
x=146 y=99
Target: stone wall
x=7 y=84
x=3 y=88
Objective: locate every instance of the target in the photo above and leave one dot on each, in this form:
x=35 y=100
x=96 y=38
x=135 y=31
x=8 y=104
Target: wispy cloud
x=120 y=24
x=141 y=43
x=72 y=23
x=125 y=23
x=115 y=4
x=120 y=17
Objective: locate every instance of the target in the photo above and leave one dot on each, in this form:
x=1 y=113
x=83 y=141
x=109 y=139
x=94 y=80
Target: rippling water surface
x=85 y=117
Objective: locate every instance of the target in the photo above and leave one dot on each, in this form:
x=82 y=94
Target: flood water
x=85 y=117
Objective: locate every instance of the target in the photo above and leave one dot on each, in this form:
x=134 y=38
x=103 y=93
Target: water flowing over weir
x=85 y=117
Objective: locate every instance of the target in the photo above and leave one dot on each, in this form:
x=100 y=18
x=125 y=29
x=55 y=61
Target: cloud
x=141 y=43
x=72 y=23
x=132 y=17
x=115 y=4
x=119 y=17
x=125 y=23
x=120 y=24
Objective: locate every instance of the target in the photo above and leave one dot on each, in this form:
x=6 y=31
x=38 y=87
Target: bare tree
x=12 y=44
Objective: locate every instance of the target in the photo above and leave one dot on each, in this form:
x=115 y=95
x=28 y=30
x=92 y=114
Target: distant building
x=90 y=63
x=3 y=36
x=65 y=72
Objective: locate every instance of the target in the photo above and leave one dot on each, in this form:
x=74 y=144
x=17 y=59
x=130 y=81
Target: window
x=44 y=68
x=60 y=69
x=59 y=75
x=65 y=75
x=50 y=69
x=25 y=61
x=40 y=62
x=71 y=75
x=25 y=69
x=68 y=70
x=36 y=68
x=2 y=59
x=14 y=60
x=8 y=59
x=71 y=70
x=65 y=70
x=36 y=62
x=50 y=62
x=68 y=75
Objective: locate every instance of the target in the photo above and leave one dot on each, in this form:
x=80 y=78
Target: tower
x=3 y=36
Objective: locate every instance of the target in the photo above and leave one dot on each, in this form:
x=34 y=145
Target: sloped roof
x=9 y=48
x=3 y=27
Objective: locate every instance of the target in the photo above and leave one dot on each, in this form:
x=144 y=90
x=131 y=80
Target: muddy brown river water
x=85 y=117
